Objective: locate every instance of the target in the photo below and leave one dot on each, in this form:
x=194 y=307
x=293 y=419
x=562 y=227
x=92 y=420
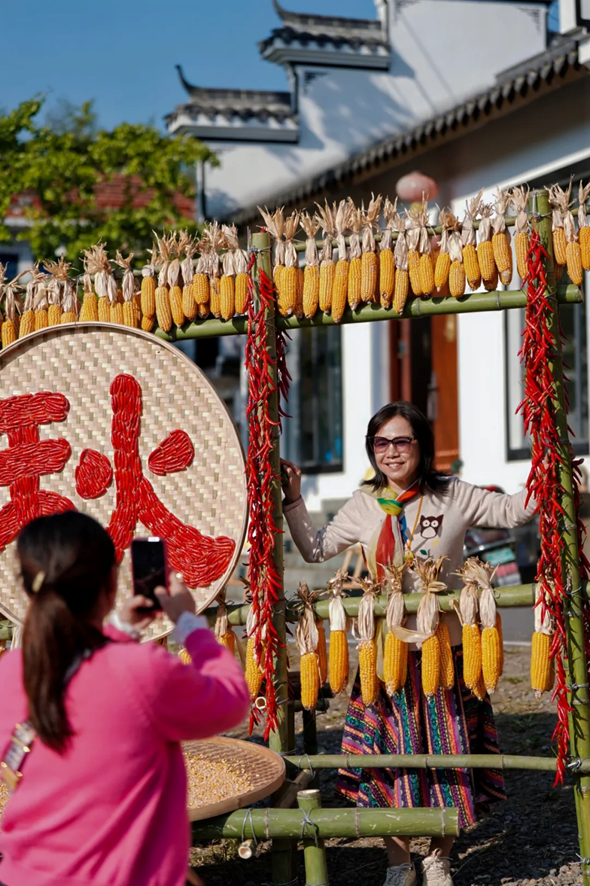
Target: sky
x=122 y=53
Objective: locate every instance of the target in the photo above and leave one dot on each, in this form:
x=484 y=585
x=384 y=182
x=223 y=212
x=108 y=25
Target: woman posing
x=409 y=509
x=102 y=798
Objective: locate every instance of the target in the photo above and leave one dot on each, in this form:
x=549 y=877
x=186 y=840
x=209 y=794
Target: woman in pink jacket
x=102 y=797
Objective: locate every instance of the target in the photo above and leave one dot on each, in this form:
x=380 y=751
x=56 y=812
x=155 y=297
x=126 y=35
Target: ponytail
x=66 y=561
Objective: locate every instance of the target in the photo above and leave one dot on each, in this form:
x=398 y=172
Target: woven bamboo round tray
x=265 y=769
x=80 y=361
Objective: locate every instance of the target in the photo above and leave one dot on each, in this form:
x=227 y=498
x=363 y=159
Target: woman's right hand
x=177 y=599
x=291 y=480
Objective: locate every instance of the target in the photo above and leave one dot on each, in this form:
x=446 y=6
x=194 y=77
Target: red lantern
x=411 y=187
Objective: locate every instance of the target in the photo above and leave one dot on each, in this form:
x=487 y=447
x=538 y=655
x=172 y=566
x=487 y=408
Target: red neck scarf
x=393 y=507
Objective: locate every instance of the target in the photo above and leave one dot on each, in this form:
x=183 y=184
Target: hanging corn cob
x=275 y=224
x=457 y=269
x=306 y=636
x=338 y=665
x=542 y=664
x=89 y=309
x=227 y=285
x=573 y=251
x=216 y=238
x=69 y=299
x=242 y=277
x=370 y=262
x=469 y=240
x=413 y=237
x=520 y=199
x=148 y=291
x=419 y=215
x=386 y=260
x=559 y=200
x=188 y=248
x=40 y=303
x=427 y=622
x=468 y=612
x=174 y=288
x=163 y=312
x=287 y=294
x=395 y=654
x=340 y=291
x=201 y=285
x=401 y=286
x=583 y=226
x=223 y=630
x=443 y=261
x=355 y=273
x=501 y=237
x=311 y=274
x=485 y=249
x=367 y=646
x=54 y=310
x=327 y=266
x=62 y=293
x=12 y=307
x=27 y=321
x=491 y=651
x=253 y=670
x=129 y=316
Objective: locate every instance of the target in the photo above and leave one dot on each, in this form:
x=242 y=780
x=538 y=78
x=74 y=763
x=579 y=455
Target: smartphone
x=149 y=567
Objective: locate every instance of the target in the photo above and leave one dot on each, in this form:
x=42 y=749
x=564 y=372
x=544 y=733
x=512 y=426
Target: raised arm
x=496 y=510
x=315 y=546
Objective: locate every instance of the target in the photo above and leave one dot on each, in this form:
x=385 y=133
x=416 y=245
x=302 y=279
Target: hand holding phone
x=177 y=599
x=149 y=565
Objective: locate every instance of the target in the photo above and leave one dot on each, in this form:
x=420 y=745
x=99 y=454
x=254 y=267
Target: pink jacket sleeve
x=198 y=700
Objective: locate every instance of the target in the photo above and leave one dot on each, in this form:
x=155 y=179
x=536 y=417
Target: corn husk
x=468 y=607
x=355 y=223
x=339 y=621
x=275 y=223
x=310 y=225
x=428 y=615
x=395 y=614
x=520 y=199
x=306 y=633
x=400 y=252
x=583 y=195
x=365 y=622
x=63 y=290
x=561 y=216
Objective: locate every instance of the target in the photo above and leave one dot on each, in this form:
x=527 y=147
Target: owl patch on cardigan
x=430 y=527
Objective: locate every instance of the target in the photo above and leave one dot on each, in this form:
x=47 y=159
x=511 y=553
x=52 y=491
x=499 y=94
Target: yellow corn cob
x=215 y=301
x=369 y=274
x=253 y=673
x=184 y=656
x=89 y=309
x=68 y=317
x=227 y=302
x=175 y=295
x=368 y=668
x=501 y=639
x=574 y=263
x=203 y=311
x=300 y=284
x=129 y=315
x=471 y=265
x=147 y=323
x=492 y=284
x=471 y=655
x=163 y=312
x=560 y=246
x=426 y=274
x=321 y=651
x=8 y=333
x=355 y=278
x=41 y=319
x=441 y=269
x=401 y=290
x=542 y=675
x=340 y=290
x=148 y=296
x=479 y=690
x=277 y=276
x=116 y=314
x=584 y=238
x=430 y=666
x=104 y=310
x=287 y=292
x=136 y=301
x=241 y=293
x=414 y=271
x=487 y=265
x=338 y=661
x=311 y=290
x=229 y=641
x=491 y=657
x=310 y=680
x=189 y=305
x=386 y=277
x=447 y=667
x=201 y=289
x=457 y=279
x=502 y=256
x=395 y=663
x=54 y=314
x=521 y=248
x=327 y=275
x=27 y=324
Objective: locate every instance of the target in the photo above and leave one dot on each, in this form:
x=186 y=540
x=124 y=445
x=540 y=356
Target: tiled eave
x=314 y=50
x=237 y=127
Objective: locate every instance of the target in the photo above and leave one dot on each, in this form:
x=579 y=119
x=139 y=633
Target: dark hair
x=66 y=561
x=429 y=479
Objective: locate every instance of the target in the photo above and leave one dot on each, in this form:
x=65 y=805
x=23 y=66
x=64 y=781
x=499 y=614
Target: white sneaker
x=401 y=875
x=437 y=870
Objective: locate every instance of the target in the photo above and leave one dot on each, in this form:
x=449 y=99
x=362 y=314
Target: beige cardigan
x=440 y=529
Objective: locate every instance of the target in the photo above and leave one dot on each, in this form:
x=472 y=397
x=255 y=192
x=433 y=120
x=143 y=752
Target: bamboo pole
x=415 y=307
x=268 y=823
x=314 y=850
x=427 y=761
x=576 y=665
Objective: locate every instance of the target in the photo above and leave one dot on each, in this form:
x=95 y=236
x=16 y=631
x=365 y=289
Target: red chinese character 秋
x=200 y=558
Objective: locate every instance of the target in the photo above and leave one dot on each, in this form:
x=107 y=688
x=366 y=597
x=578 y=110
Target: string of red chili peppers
x=538 y=411
x=264 y=578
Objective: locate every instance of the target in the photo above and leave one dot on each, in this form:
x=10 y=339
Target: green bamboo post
x=428 y=761
x=579 y=718
x=314 y=850
x=282 y=739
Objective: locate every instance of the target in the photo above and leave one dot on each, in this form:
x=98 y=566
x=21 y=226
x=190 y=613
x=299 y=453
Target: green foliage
x=63 y=159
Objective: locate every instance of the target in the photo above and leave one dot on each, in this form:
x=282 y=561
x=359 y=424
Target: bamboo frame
x=428 y=761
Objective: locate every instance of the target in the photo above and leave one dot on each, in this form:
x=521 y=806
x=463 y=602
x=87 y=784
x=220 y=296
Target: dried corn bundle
x=386 y=259
x=573 y=250
x=216 y=238
x=275 y=224
x=413 y=237
x=12 y=307
x=340 y=291
x=129 y=315
x=338 y=665
x=469 y=241
x=69 y=301
x=520 y=199
x=94 y=261
x=419 y=234
x=367 y=646
x=299 y=293
x=188 y=247
x=97 y=263
x=559 y=201
x=242 y=279
x=457 y=269
x=227 y=284
x=468 y=612
x=401 y=286
x=174 y=287
x=542 y=664
x=485 y=249
x=327 y=266
x=201 y=285
x=163 y=312
x=148 y=291
x=501 y=237
x=395 y=654
x=447 y=664
x=41 y=303
x=223 y=631
x=311 y=274
x=427 y=622
x=253 y=670
x=370 y=262
x=27 y=321
x=491 y=651
x=355 y=223
x=443 y=261
x=584 y=226
x=62 y=297
x=287 y=294
x=306 y=636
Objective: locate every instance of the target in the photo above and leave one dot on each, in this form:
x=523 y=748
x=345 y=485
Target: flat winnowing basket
x=263 y=769
x=80 y=362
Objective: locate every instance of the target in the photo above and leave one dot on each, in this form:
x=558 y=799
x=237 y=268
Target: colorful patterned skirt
x=452 y=722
